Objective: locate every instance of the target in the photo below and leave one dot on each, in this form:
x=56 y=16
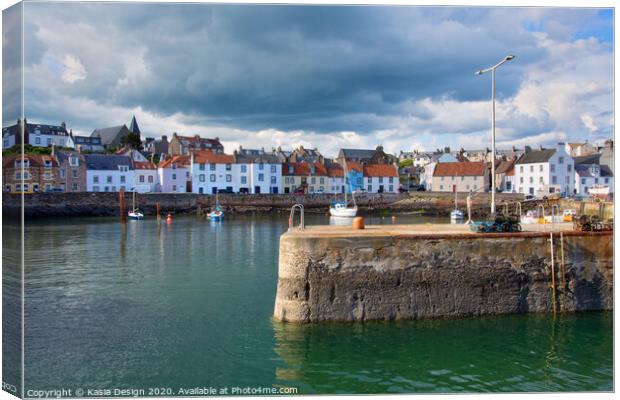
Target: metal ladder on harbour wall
x=302 y=224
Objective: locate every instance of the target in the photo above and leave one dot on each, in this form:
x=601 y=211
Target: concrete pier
x=332 y=273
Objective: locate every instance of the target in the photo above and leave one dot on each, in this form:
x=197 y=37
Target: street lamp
x=480 y=72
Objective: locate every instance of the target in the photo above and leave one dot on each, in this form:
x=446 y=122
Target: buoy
x=169 y=219
x=358 y=223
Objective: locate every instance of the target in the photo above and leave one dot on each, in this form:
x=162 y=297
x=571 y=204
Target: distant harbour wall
x=327 y=278
x=107 y=203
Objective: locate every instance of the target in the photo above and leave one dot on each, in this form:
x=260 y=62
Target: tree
x=405 y=163
x=132 y=140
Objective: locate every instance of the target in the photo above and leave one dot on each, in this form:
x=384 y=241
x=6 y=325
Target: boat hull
x=135 y=216
x=216 y=216
x=343 y=212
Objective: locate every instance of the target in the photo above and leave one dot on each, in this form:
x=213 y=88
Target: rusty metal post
x=158 y=211
x=121 y=205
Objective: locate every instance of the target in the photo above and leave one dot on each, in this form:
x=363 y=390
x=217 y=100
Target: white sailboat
x=218 y=213
x=135 y=211
x=456 y=216
x=341 y=208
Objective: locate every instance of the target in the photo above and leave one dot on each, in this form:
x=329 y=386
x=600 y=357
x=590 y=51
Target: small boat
x=340 y=208
x=599 y=191
x=456 y=215
x=568 y=215
x=135 y=211
x=218 y=213
x=530 y=217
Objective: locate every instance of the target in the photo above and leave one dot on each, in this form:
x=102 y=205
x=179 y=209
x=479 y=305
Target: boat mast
x=345 y=181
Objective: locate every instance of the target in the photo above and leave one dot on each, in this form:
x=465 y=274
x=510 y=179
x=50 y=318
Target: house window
x=123 y=168
x=122 y=178
x=62 y=173
x=18 y=176
x=74 y=161
x=554 y=180
x=569 y=168
x=228 y=167
x=583 y=181
x=212 y=167
x=174 y=188
x=109 y=179
x=95 y=179
x=49 y=141
x=174 y=176
x=531 y=168
x=552 y=167
x=47 y=164
x=201 y=177
x=212 y=177
x=391 y=180
x=244 y=180
x=440 y=187
x=47 y=176
x=150 y=178
x=114 y=188
x=391 y=188
x=313 y=180
x=322 y=180
x=74 y=187
x=37 y=140
x=290 y=169
x=273 y=180
x=540 y=180
x=370 y=188
x=521 y=180
x=244 y=169
x=273 y=169
x=261 y=177
x=96 y=189
x=540 y=168
x=561 y=160
x=141 y=178
x=595 y=180
x=201 y=167
x=229 y=178
x=187 y=175
x=74 y=173
x=531 y=179
x=380 y=179
x=606 y=180
x=359 y=181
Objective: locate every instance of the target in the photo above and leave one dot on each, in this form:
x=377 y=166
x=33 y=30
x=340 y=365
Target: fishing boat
x=217 y=214
x=341 y=209
x=599 y=191
x=530 y=217
x=456 y=215
x=135 y=211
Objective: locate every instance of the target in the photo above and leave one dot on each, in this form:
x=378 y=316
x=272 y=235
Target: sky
x=318 y=76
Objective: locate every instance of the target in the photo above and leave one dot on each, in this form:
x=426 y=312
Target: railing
x=302 y=224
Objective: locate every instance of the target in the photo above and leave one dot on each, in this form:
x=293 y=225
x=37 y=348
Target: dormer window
x=123 y=168
x=290 y=169
x=312 y=169
x=74 y=161
x=595 y=170
x=47 y=163
x=22 y=163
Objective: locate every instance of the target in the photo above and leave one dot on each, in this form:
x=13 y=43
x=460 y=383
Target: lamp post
x=480 y=72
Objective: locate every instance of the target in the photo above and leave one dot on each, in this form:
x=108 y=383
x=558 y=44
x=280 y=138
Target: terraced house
x=108 y=172
x=211 y=172
x=256 y=171
x=381 y=178
x=174 y=174
x=71 y=170
x=304 y=177
x=30 y=173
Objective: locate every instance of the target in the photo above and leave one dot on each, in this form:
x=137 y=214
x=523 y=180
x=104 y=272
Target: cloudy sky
x=320 y=76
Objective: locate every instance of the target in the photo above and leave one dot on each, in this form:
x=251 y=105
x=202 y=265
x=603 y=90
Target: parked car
x=227 y=190
x=421 y=189
x=402 y=190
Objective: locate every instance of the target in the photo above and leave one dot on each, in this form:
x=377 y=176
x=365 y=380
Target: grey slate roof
x=358 y=153
x=55 y=130
x=590 y=159
x=249 y=156
x=62 y=156
x=584 y=171
x=536 y=156
x=108 y=135
x=106 y=162
x=133 y=127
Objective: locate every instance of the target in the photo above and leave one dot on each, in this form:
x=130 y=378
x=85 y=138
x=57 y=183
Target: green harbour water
x=189 y=305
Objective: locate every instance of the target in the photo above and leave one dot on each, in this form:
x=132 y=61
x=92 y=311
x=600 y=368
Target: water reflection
x=508 y=353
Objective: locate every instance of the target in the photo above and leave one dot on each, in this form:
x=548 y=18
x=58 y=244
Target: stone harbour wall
x=106 y=203
x=410 y=277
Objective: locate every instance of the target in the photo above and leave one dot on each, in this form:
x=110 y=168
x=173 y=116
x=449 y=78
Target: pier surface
x=387 y=272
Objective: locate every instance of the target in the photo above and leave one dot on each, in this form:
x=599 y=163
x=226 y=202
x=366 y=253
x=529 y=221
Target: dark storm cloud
x=318 y=68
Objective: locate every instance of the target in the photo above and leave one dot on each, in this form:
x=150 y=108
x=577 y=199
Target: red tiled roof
x=460 y=169
x=36 y=160
x=303 y=169
x=354 y=165
x=181 y=160
x=335 y=170
x=210 y=157
x=372 y=170
x=143 y=165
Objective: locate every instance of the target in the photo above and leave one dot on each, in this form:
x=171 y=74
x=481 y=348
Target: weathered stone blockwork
x=408 y=277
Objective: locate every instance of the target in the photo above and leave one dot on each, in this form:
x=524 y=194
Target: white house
x=146 y=177
x=335 y=178
x=544 y=171
x=38 y=135
x=108 y=173
x=381 y=178
x=211 y=172
x=589 y=172
x=257 y=171
x=174 y=174
x=426 y=177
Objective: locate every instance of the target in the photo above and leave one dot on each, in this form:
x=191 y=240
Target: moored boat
x=135 y=213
